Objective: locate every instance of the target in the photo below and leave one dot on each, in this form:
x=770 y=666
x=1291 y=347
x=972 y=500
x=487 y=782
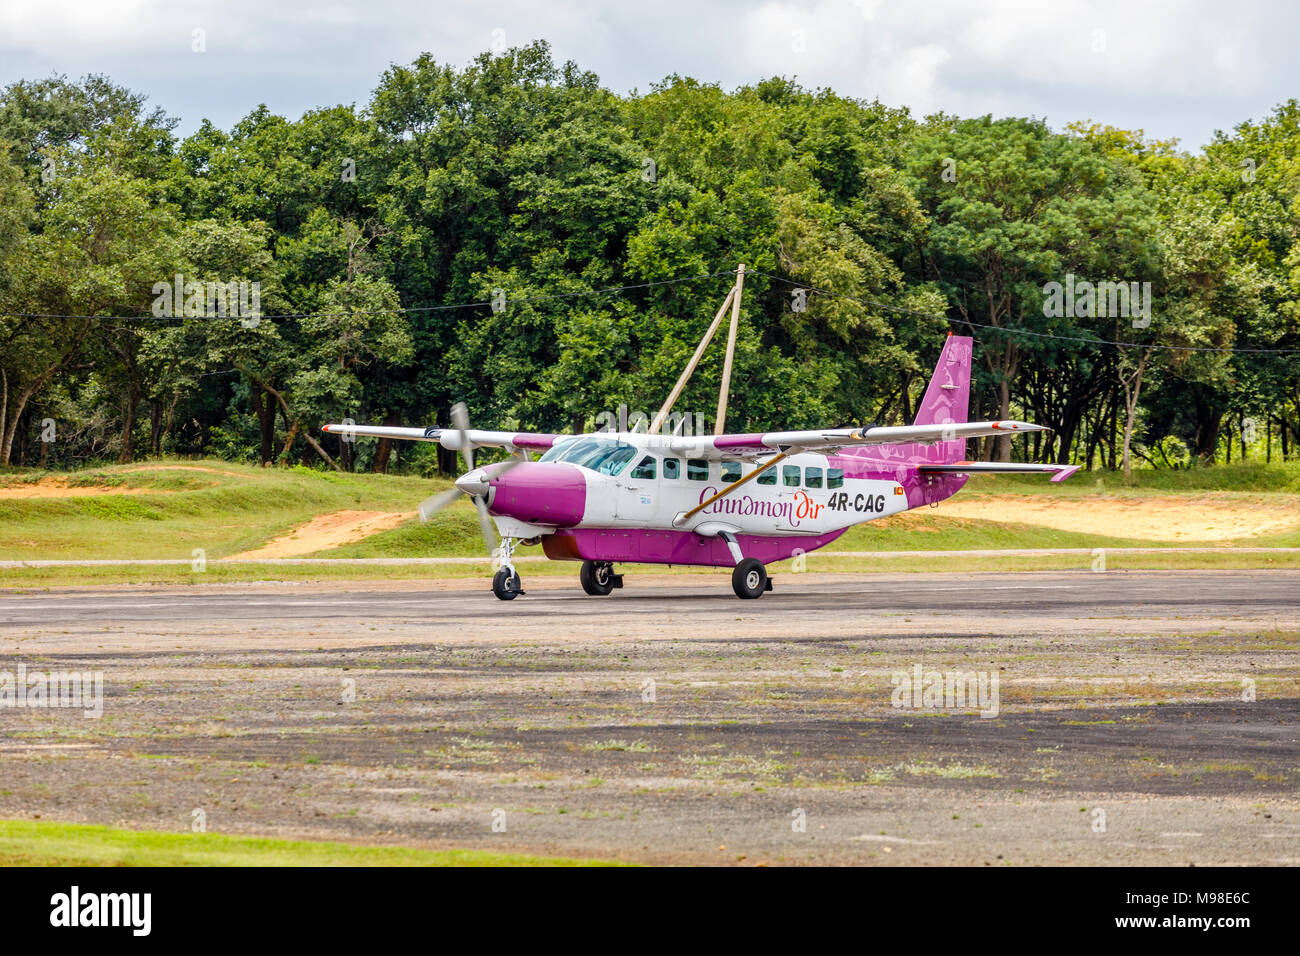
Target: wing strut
x=735 y=484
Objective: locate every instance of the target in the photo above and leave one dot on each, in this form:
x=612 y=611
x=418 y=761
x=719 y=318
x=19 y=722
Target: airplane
x=741 y=501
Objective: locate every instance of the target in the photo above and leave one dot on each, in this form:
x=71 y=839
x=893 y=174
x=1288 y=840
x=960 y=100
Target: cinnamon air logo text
x=799 y=509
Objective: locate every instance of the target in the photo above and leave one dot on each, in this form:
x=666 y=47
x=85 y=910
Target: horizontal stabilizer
x=1058 y=472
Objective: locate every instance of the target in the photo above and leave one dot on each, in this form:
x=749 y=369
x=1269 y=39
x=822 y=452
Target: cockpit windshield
x=557 y=451
x=605 y=456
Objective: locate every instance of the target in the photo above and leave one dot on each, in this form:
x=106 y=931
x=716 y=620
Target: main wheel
x=506 y=584
x=597 y=577
x=749 y=580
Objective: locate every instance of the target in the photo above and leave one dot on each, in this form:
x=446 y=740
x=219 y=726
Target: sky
x=1174 y=70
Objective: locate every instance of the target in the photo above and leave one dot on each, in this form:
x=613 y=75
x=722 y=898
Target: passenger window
x=697 y=469
x=790 y=476
x=645 y=468
x=672 y=468
x=768 y=477
x=834 y=477
x=730 y=471
x=812 y=477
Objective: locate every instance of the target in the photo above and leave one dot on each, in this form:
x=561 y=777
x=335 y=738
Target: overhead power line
x=612 y=290
x=1014 y=331
x=618 y=290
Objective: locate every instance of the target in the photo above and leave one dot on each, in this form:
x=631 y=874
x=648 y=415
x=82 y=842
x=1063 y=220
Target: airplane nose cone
x=475 y=483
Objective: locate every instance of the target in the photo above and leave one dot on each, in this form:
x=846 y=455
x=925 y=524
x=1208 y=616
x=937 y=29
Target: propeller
x=435 y=503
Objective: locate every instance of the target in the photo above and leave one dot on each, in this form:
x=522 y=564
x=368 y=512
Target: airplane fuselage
x=630 y=497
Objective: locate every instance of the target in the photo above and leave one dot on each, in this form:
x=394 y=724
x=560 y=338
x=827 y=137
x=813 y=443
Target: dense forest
x=513 y=235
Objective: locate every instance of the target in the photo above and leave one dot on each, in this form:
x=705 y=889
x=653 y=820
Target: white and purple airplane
x=737 y=501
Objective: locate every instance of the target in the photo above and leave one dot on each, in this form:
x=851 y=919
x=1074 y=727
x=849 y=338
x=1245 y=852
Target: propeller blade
x=434 y=503
x=485 y=526
x=460 y=418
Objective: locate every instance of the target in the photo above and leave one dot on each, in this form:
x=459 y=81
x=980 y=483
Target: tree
x=102 y=245
x=1015 y=207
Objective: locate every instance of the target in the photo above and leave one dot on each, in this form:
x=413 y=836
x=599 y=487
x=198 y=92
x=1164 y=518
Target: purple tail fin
x=947 y=399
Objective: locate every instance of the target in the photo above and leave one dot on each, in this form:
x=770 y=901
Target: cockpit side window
x=608 y=461
x=645 y=468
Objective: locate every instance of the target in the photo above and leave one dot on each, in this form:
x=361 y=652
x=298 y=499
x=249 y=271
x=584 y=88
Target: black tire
x=749 y=580
x=506 y=584
x=597 y=577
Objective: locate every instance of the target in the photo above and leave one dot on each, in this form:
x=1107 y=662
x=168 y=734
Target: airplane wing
x=447 y=437
x=710 y=447
x=716 y=447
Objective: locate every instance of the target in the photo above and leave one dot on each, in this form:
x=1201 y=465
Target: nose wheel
x=506 y=584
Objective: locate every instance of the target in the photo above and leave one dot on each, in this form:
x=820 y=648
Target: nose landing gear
x=505 y=583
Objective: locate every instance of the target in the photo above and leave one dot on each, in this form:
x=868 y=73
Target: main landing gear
x=598 y=578
x=749 y=579
x=505 y=583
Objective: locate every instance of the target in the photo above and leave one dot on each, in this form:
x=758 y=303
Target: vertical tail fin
x=947 y=398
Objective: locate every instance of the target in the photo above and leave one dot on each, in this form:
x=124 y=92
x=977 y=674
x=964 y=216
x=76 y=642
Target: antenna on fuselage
x=733 y=301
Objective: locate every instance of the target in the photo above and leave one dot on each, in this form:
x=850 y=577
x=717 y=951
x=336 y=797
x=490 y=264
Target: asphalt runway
x=810 y=598
x=1142 y=716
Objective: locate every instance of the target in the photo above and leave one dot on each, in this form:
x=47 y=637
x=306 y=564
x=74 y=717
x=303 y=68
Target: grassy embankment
x=226 y=509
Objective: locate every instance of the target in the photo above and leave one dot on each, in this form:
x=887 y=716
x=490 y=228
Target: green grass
x=179 y=511
x=1252 y=476
x=38 y=843
x=37 y=579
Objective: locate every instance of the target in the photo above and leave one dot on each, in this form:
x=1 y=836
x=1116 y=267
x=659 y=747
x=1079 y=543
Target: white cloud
x=1179 y=69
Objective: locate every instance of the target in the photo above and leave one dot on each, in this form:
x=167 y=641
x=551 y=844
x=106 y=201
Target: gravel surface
x=673 y=723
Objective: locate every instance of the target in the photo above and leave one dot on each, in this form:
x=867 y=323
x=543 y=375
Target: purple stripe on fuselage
x=651 y=546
